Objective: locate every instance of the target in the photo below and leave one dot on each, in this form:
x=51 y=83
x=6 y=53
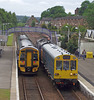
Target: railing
x=30 y=29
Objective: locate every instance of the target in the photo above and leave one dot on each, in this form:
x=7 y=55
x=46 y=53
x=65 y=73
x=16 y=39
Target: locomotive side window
x=58 y=65
x=22 y=57
x=65 y=65
x=73 y=65
x=35 y=57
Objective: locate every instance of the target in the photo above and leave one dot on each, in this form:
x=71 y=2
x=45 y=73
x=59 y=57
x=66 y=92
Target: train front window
x=65 y=65
x=73 y=65
x=35 y=57
x=22 y=57
x=58 y=65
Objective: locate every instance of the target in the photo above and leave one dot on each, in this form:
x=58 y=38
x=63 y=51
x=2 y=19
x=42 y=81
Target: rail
x=41 y=94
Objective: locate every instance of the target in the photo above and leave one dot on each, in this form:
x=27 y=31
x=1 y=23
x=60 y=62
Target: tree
x=84 y=6
x=24 y=19
x=54 y=12
x=20 y=24
x=49 y=26
x=72 y=45
x=44 y=26
x=14 y=19
x=8 y=18
x=89 y=15
x=33 y=23
x=64 y=41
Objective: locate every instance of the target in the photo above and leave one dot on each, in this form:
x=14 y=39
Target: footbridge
x=49 y=33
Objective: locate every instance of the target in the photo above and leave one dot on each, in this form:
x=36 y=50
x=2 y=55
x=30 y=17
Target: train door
x=29 y=59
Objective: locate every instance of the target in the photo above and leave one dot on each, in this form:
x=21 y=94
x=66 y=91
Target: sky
x=36 y=7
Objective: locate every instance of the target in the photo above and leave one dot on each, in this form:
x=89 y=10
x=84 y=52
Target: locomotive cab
x=28 y=60
x=27 y=56
x=66 y=69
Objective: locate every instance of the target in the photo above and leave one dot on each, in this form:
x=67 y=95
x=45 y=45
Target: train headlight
x=71 y=74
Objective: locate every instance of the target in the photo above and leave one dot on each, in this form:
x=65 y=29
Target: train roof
x=55 y=50
x=21 y=37
x=26 y=43
x=43 y=41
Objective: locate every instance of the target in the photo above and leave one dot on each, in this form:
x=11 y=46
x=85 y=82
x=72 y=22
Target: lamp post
x=78 y=41
x=68 y=32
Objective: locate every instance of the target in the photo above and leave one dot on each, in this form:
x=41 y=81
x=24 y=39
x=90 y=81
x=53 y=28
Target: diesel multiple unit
x=28 y=55
x=61 y=65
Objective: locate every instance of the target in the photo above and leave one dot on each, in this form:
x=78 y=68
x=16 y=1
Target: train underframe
x=66 y=82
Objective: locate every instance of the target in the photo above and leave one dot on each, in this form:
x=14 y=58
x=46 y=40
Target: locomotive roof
x=26 y=43
x=55 y=50
x=21 y=37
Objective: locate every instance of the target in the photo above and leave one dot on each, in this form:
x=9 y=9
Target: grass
x=10 y=40
x=4 y=94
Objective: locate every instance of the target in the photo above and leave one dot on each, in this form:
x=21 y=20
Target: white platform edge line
x=17 y=85
x=86 y=88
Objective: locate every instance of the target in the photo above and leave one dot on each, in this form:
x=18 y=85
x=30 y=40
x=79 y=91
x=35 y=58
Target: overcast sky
x=36 y=7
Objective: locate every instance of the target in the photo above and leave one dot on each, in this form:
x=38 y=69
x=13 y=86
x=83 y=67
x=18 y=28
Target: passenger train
x=28 y=56
x=61 y=65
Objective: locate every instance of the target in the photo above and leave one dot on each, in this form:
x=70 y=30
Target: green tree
x=64 y=41
x=21 y=24
x=44 y=26
x=49 y=26
x=54 y=12
x=84 y=6
x=7 y=19
x=24 y=19
x=72 y=45
x=14 y=19
x=33 y=23
x=89 y=15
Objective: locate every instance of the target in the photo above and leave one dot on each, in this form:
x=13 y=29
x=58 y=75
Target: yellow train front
x=60 y=64
x=66 y=69
x=28 y=56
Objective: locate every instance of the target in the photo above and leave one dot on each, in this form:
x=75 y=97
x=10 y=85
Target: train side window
x=58 y=65
x=73 y=65
x=35 y=57
x=65 y=65
x=22 y=57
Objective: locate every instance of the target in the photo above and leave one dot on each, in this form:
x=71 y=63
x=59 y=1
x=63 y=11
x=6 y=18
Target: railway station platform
x=8 y=71
x=6 y=60
x=86 y=76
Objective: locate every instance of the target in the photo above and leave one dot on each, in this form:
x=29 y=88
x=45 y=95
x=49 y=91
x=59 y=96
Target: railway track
x=37 y=88
x=31 y=88
x=73 y=95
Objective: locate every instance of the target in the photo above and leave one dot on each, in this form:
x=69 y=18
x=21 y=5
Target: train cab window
x=73 y=65
x=35 y=57
x=58 y=65
x=65 y=65
x=22 y=57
